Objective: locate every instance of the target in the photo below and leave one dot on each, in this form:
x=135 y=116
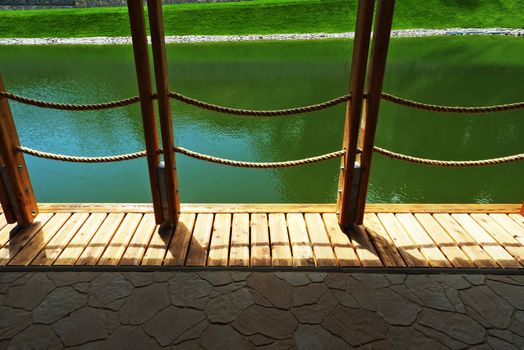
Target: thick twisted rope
x=451 y=109
x=291 y=163
x=189 y=153
x=265 y=165
x=259 y=113
x=262 y=113
x=449 y=163
x=182 y=98
x=69 y=106
x=77 y=159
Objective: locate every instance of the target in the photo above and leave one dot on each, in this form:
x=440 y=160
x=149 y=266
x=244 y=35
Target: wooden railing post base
x=6 y=195
x=16 y=192
x=164 y=197
x=354 y=192
x=347 y=194
x=169 y=181
x=374 y=83
x=143 y=75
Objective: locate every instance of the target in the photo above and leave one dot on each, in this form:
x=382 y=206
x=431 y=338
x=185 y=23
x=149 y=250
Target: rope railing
x=450 y=109
x=182 y=98
x=264 y=165
x=283 y=164
x=181 y=150
x=70 y=106
x=80 y=159
x=259 y=113
x=265 y=113
x=449 y=163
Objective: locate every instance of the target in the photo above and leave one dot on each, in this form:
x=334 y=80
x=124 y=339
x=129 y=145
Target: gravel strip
x=403 y=33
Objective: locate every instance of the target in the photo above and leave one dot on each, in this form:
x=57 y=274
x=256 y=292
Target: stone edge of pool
x=402 y=33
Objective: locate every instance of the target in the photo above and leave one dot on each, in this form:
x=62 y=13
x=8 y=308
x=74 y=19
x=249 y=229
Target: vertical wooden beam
x=143 y=73
x=156 y=26
x=345 y=206
x=4 y=194
x=377 y=68
x=16 y=192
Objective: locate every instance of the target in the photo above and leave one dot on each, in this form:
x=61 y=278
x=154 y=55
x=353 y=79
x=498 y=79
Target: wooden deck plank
x=441 y=208
x=32 y=247
x=280 y=246
x=239 y=250
x=97 y=244
x=509 y=225
x=158 y=246
x=382 y=241
x=447 y=245
x=137 y=246
x=21 y=237
x=260 y=249
x=425 y=244
x=280 y=208
x=76 y=245
x=518 y=218
x=256 y=208
x=324 y=255
x=407 y=248
x=299 y=238
x=6 y=233
x=220 y=239
x=342 y=246
x=366 y=252
x=178 y=247
x=199 y=246
x=270 y=236
x=117 y=246
x=469 y=245
x=52 y=250
x=3 y=221
x=490 y=245
x=503 y=237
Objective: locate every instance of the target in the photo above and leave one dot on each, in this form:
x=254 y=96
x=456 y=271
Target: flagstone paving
x=262 y=310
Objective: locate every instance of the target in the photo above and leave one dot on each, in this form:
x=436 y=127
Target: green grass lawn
x=261 y=17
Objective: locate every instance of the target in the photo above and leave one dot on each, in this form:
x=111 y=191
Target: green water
x=262 y=75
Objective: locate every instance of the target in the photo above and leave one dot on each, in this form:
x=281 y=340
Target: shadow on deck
x=406 y=237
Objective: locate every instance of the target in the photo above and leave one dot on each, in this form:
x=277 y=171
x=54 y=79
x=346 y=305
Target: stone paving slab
x=263 y=310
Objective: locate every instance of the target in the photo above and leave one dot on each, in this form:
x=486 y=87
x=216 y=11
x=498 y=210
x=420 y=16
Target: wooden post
x=377 y=68
x=5 y=201
x=16 y=192
x=156 y=26
x=345 y=206
x=143 y=73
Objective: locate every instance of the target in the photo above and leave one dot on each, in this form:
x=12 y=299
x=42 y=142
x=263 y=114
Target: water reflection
x=467 y=71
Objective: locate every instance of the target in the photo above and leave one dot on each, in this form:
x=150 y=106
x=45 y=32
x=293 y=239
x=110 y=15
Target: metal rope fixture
x=450 y=109
x=449 y=163
x=69 y=106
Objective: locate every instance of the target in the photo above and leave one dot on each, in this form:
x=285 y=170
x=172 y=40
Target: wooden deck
x=283 y=236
